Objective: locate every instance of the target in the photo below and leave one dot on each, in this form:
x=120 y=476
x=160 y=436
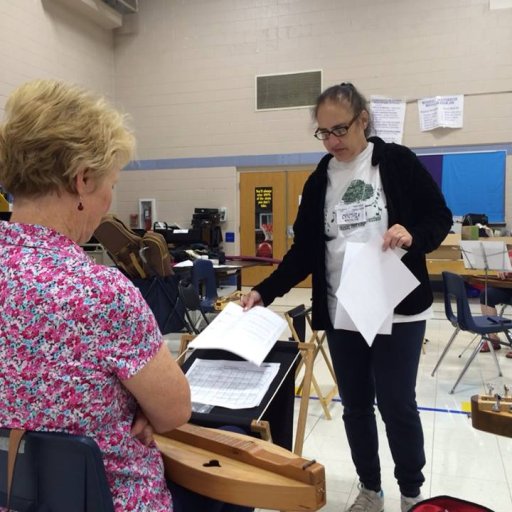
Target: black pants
x=496 y=296
x=387 y=372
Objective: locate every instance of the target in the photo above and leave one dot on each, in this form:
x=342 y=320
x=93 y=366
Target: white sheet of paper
x=480 y=254
x=231 y=384
x=372 y=284
x=388 y=117
x=441 y=111
x=342 y=319
x=184 y=263
x=249 y=334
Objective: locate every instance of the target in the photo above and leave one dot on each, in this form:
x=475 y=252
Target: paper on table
x=249 y=334
x=372 y=284
x=184 y=263
x=231 y=384
x=190 y=263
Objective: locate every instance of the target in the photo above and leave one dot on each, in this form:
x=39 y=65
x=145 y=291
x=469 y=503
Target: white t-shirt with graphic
x=355 y=210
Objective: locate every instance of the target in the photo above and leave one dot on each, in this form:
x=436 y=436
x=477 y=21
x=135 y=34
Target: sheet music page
x=231 y=384
x=481 y=255
x=249 y=334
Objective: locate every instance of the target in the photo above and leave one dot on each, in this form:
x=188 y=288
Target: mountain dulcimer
x=240 y=469
x=492 y=412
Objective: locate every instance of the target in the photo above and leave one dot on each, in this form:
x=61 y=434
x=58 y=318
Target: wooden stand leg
x=307 y=350
x=317 y=341
x=184 y=341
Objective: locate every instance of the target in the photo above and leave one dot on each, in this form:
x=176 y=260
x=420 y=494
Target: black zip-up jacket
x=413 y=200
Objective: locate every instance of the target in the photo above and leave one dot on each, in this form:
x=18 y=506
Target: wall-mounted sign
x=263 y=221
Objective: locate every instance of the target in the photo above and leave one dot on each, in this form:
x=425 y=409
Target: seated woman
x=81 y=351
x=488 y=305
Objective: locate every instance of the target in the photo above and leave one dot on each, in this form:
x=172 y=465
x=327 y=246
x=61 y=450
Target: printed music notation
x=230 y=384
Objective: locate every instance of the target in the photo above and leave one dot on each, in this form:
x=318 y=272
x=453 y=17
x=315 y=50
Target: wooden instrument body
x=241 y=470
x=490 y=280
x=495 y=422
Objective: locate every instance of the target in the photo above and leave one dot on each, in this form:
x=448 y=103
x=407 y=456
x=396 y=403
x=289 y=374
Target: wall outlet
x=223 y=214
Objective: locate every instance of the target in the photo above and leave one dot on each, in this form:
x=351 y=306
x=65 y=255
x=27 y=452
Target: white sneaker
x=407 y=503
x=367 y=501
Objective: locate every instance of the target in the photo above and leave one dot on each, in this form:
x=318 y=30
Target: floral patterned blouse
x=71 y=329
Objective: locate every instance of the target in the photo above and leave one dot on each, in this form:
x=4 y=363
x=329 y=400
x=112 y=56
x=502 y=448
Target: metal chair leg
x=509 y=337
x=450 y=341
x=473 y=355
x=468 y=362
x=493 y=352
x=468 y=345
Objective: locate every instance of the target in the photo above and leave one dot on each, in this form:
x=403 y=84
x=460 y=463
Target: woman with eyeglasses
x=362 y=189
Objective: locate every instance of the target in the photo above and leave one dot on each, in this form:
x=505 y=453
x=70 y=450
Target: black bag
x=161 y=294
x=470 y=219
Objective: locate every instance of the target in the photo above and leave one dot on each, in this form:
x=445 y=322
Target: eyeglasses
x=337 y=131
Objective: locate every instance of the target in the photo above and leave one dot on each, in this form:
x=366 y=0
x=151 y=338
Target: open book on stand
x=248 y=334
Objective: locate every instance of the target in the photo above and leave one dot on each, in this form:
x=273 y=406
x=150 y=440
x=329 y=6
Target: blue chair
x=195 y=316
x=205 y=283
x=55 y=472
x=463 y=320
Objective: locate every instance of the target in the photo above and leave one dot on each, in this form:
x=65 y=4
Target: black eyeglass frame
x=338 y=131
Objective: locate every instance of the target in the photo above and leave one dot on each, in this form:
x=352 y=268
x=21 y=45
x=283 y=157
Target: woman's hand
x=253 y=298
x=396 y=236
x=142 y=429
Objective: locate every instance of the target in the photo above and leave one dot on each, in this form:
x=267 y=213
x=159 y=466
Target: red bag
x=448 y=504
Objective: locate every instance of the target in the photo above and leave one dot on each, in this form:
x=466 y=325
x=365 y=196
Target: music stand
x=279 y=414
x=488 y=255
x=277 y=407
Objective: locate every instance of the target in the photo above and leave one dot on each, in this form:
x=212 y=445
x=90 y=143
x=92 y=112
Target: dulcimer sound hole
x=214 y=463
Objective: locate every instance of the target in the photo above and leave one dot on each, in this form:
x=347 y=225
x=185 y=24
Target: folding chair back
x=192 y=303
x=55 y=472
x=451 y=315
x=204 y=281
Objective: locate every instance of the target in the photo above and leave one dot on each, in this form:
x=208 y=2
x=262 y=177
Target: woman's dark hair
x=344 y=92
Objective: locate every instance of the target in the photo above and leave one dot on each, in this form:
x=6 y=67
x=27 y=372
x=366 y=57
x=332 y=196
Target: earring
x=80 y=205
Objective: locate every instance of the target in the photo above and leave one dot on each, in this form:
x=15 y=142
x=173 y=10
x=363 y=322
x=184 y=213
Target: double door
x=268 y=206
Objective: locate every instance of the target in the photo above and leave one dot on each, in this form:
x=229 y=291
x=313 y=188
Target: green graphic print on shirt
x=358 y=191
